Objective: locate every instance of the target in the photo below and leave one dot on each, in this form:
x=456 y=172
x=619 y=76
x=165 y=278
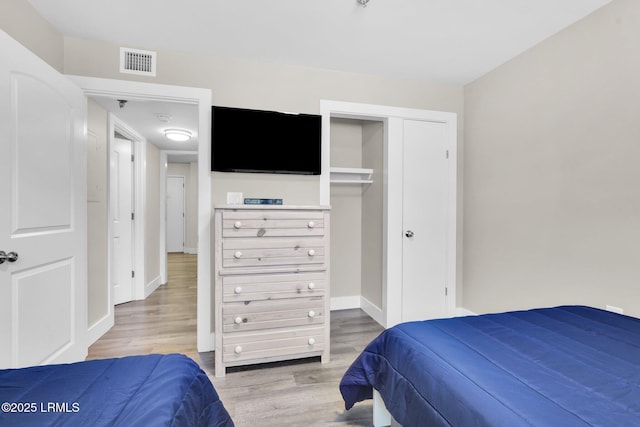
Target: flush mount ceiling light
x=178 y=135
x=363 y=2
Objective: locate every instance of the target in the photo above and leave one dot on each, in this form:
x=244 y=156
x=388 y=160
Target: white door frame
x=393 y=117
x=118 y=89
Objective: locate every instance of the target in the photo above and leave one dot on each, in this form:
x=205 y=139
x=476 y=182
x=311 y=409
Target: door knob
x=409 y=233
x=11 y=257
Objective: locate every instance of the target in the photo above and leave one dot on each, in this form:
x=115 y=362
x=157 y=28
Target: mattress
x=152 y=390
x=561 y=366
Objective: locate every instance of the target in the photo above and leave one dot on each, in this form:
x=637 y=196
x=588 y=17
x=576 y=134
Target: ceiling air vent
x=135 y=61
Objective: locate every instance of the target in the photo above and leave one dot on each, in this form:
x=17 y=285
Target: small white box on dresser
x=271 y=284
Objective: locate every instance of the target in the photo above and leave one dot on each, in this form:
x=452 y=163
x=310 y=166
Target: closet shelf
x=351 y=176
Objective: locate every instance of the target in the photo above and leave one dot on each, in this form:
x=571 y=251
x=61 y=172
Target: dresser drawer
x=246 y=346
x=263 y=252
x=256 y=287
x=272 y=224
x=257 y=315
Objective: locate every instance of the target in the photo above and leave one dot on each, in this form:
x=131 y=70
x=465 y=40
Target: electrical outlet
x=234 y=198
x=615 y=309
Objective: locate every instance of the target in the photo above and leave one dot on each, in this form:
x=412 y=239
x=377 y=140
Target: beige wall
x=357 y=212
x=251 y=84
x=97 y=210
x=346 y=211
x=372 y=213
x=20 y=20
x=189 y=172
x=552 y=206
x=152 y=215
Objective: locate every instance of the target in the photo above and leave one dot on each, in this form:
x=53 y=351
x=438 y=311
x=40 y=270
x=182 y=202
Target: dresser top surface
x=272 y=207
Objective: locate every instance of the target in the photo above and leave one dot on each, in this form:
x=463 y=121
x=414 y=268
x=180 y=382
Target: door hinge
x=132 y=157
x=133 y=274
x=446 y=291
x=133 y=216
x=447 y=154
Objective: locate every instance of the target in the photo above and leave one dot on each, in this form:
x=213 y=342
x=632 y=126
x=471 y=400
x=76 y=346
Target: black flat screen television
x=244 y=140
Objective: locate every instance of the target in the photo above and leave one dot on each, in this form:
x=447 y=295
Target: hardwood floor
x=296 y=393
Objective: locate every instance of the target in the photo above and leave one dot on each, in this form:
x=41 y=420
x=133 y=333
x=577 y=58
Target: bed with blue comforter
x=562 y=366
x=152 y=390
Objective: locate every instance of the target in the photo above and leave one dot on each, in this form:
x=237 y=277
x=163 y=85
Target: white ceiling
x=142 y=116
x=437 y=41
x=441 y=41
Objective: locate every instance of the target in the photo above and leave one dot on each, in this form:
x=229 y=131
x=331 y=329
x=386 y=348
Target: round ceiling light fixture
x=179 y=135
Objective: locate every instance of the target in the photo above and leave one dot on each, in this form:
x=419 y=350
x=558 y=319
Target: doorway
x=117 y=89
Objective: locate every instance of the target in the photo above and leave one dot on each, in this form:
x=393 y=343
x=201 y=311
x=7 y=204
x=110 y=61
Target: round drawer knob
x=238 y=349
x=311 y=224
x=311 y=341
x=238 y=290
x=311 y=285
x=237 y=224
x=237 y=255
x=312 y=314
x=238 y=320
x=311 y=252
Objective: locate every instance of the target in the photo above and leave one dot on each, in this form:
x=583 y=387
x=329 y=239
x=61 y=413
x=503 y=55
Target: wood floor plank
x=294 y=393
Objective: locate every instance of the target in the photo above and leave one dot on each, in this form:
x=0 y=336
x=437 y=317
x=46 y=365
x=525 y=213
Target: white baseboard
x=207 y=346
x=372 y=310
x=345 y=303
x=152 y=286
x=358 y=301
x=101 y=327
x=191 y=251
x=461 y=311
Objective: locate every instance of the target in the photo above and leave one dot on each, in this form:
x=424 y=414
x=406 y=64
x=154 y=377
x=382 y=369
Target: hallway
x=163 y=323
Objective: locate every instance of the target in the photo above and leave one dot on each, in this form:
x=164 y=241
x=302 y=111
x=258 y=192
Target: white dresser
x=271 y=284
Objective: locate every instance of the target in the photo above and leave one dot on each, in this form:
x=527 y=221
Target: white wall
x=551 y=206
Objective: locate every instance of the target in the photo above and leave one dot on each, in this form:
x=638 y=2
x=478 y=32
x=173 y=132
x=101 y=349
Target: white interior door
x=425 y=191
x=175 y=214
x=120 y=202
x=43 y=293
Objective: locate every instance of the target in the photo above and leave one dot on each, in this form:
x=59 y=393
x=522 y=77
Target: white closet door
x=425 y=190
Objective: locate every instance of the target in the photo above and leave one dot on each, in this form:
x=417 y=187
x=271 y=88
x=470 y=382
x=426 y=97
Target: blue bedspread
x=563 y=366
x=153 y=390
